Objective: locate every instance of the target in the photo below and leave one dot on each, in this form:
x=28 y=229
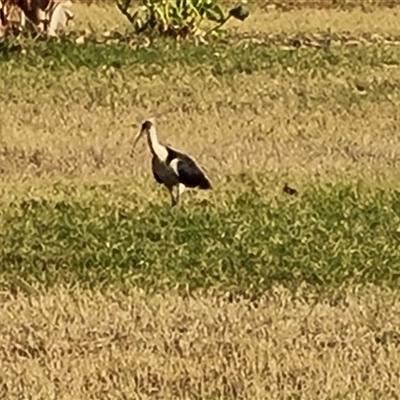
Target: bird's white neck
x=155 y=147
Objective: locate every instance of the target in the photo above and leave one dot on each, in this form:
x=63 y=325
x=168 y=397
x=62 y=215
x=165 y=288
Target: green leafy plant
x=179 y=18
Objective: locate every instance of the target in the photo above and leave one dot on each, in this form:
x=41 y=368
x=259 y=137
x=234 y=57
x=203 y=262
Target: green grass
x=112 y=75
x=242 y=241
x=221 y=58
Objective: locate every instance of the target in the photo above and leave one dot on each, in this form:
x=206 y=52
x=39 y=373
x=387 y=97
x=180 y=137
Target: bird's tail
x=205 y=184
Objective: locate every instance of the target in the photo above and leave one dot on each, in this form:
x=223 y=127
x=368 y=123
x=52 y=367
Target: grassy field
x=243 y=292
x=105 y=346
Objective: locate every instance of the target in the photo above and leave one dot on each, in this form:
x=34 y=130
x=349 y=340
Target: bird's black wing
x=188 y=172
x=156 y=177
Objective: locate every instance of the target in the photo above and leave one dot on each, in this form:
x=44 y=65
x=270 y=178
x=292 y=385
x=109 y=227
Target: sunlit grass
x=132 y=345
x=267 y=19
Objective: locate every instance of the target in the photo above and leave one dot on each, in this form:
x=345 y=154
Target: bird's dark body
x=188 y=173
x=156 y=177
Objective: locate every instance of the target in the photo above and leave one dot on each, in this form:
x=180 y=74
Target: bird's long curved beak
x=136 y=141
x=137 y=138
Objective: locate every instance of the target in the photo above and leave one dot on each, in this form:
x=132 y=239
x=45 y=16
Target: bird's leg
x=173 y=200
x=180 y=189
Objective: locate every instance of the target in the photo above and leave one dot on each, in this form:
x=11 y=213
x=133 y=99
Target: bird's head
x=145 y=129
x=146 y=126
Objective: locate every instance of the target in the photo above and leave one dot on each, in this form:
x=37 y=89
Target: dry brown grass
x=331 y=4
x=79 y=345
x=79 y=124
x=381 y=21
x=264 y=127
x=288 y=4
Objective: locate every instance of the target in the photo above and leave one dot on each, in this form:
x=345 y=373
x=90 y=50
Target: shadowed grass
x=243 y=240
x=219 y=58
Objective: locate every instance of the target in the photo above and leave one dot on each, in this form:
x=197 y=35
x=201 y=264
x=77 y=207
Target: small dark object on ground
x=287 y=189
